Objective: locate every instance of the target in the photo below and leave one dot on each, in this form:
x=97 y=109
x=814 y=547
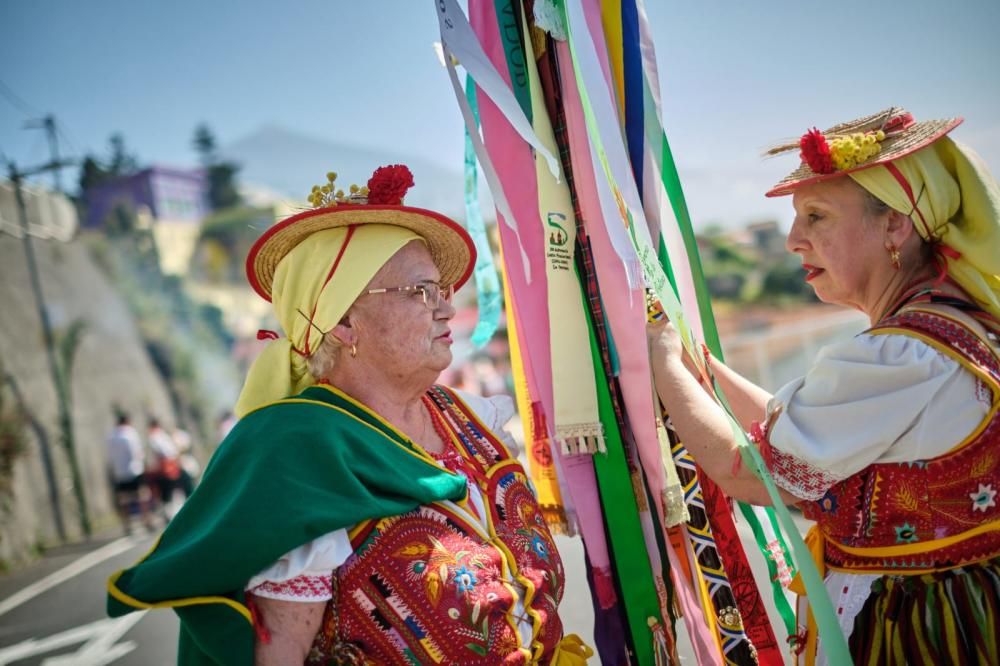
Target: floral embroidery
x=828 y=503
x=905 y=533
x=540 y=547
x=465 y=579
x=428 y=587
x=984 y=498
x=920 y=501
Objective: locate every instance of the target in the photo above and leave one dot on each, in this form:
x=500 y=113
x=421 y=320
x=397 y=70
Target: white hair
x=322 y=361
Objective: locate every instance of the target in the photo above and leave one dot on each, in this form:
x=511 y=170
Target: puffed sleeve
x=874 y=398
x=305 y=573
x=494 y=411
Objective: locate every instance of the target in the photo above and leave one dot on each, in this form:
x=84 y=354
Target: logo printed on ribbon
x=559 y=256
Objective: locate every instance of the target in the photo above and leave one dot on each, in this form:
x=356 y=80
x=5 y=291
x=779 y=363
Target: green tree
x=91 y=174
x=785 y=281
x=122 y=162
x=205 y=145
x=223 y=191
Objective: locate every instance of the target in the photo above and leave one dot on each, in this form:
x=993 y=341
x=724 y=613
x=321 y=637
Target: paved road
x=57 y=618
x=52 y=614
x=65 y=624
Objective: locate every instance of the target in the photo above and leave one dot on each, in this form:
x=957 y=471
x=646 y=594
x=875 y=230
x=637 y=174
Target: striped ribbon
x=624 y=327
x=585 y=61
x=736 y=648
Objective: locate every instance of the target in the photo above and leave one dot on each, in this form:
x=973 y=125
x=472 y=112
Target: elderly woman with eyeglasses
x=358 y=512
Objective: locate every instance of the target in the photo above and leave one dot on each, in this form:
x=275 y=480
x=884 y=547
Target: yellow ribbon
x=571 y=651
x=310 y=298
x=814 y=542
x=952 y=198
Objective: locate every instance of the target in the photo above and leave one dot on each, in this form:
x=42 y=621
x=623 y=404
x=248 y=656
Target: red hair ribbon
x=905 y=184
x=265 y=334
x=329 y=276
x=942 y=253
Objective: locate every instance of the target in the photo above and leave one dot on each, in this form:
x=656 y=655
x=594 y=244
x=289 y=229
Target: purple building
x=171 y=195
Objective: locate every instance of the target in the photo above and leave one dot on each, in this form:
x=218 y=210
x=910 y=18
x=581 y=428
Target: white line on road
x=64 y=574
x=100 y=646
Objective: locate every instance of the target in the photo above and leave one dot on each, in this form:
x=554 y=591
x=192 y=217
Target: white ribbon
x=458 y=37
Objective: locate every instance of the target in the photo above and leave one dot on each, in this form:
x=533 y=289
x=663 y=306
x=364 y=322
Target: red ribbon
x=263 y=635
x=942 y=253
x=265 y=334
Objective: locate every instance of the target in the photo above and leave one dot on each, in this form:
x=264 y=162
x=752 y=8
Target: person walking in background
x=190 y=468
x=165 y=470
x=126 y=460
x=226 y=422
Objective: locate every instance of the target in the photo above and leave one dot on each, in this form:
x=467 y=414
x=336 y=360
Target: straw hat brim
x=898 y=145
x=450 y=245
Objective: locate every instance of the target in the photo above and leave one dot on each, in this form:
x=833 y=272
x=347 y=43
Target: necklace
x=437 y=421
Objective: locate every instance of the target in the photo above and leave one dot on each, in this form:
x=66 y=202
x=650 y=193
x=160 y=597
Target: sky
x=735 y=77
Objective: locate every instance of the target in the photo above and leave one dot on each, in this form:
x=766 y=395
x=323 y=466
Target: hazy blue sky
x=735 y=77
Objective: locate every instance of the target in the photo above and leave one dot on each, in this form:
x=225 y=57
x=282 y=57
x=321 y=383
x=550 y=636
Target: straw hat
x=380 y=202
x=858 y=144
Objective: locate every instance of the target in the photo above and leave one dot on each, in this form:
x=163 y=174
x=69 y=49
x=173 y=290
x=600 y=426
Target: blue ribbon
x=488 y=292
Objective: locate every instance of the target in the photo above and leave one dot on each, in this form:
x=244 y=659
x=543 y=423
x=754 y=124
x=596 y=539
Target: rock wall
x=111 y=369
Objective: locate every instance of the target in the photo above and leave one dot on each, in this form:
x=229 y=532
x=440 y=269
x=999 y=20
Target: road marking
x=64 y=574
x=99 y=644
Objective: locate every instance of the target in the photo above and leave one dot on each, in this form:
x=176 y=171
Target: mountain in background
x=288 y=163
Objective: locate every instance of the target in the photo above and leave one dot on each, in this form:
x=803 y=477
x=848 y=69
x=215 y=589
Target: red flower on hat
x=388 y=185
x=816 y=152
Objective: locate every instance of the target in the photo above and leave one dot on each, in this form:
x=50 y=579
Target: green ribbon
x=625 y=536
x=834 y=643
x=672 y=184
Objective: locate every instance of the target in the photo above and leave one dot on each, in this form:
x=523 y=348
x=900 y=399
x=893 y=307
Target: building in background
x=171 y=201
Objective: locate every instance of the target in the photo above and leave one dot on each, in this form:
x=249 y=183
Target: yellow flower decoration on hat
x=327 y=195
x=849 y=151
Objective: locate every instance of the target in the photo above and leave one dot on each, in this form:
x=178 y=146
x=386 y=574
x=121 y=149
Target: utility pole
x=48 y=123
x=62 y=391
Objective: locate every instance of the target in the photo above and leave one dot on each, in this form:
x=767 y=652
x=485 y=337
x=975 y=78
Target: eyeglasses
x=432 y=292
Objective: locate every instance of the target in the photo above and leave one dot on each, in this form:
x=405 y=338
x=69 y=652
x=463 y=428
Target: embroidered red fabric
x=922 y=500
x=429 y=586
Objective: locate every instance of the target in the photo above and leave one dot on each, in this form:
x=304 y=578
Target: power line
x=15 y=100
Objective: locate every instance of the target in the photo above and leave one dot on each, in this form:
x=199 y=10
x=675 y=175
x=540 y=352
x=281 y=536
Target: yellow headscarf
x=953 y=199
x=321 y=277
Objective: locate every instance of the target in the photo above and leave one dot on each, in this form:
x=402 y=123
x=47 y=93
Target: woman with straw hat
x=891 y=441
x=357 y=512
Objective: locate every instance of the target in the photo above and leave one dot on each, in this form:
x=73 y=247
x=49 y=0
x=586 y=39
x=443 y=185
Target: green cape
x=288 y=473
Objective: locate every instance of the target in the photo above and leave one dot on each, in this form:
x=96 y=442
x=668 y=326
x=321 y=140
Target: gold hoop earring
x=354 y=351
x=894 y=257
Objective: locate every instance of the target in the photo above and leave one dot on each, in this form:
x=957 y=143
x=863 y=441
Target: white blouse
x=873 y=398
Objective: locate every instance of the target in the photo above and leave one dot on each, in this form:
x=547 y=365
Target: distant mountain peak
x=290 y=162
